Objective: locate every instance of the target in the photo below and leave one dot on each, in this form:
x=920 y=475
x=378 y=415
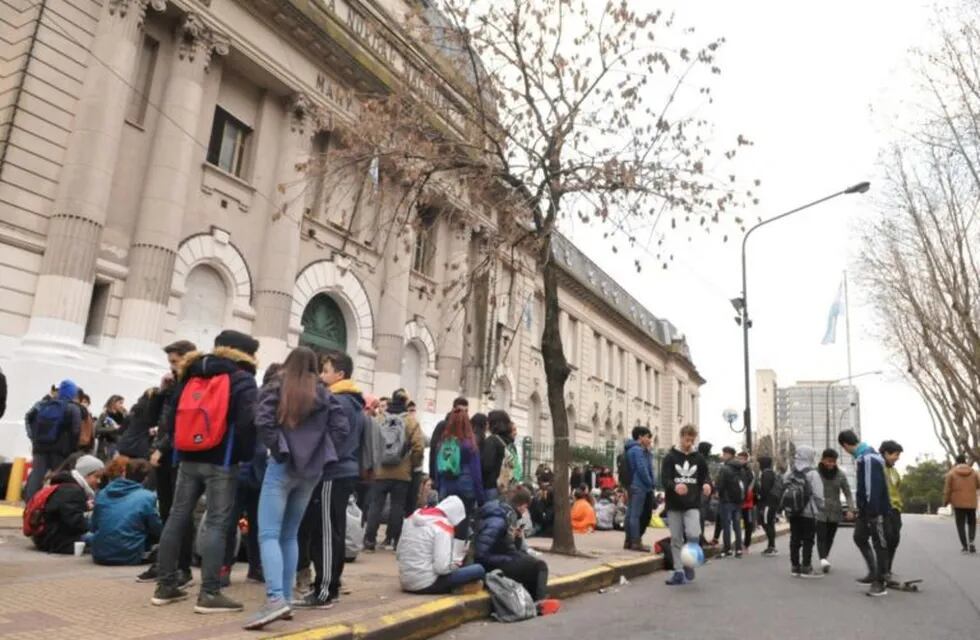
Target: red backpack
x=34 y=523
x=202 y=414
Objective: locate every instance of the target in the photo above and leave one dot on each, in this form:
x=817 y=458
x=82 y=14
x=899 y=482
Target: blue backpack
x=48 y=421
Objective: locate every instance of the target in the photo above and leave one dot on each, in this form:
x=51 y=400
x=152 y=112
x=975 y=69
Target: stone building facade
x=152 y=187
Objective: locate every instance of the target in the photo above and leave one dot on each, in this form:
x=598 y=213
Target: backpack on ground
x=448 y=461
x=49 y=421
x=509 y=600
x=34 y=524
x=354 y=536
x=796 y=493
x=392 y=440
x=663 y=547
x=506 y=468
x=202 y=414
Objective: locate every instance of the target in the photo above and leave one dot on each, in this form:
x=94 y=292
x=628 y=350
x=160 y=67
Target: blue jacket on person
x=124 y=524
x=872 y=488
x=640 y=461
x=494 y=542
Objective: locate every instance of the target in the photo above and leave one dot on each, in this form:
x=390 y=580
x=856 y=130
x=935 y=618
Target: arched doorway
x=414 y=362
x=203 y=307
x=324 y=328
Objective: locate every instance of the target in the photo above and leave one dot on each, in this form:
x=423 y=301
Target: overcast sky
x=809 y=84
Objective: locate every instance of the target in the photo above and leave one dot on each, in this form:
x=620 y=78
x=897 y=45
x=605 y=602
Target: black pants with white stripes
x=326 y=522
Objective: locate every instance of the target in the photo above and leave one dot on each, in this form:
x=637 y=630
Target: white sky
x=807 y=82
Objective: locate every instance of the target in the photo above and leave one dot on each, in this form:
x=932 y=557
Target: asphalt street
x=756 y=598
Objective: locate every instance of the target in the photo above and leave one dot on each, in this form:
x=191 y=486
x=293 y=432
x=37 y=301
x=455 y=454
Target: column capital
x=135 y=8
x=196 y=41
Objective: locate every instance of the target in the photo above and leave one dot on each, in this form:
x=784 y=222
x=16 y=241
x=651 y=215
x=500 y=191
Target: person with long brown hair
x=458 y=466
x=302 y=424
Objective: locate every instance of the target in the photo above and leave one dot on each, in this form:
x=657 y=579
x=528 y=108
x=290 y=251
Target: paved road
x=757 y=598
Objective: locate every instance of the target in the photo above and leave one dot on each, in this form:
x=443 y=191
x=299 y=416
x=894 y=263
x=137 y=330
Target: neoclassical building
x=152 y=187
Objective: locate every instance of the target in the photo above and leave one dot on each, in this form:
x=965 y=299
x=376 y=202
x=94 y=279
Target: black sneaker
x=167 y=595
x=868 y=579
x=725 y=554
x=877 y=590
x=806 y=571
x=216 y=603
x=738 y=554
x=150 y=575
x=973 y=548
x=314 y=601
x=369 y=547
x=795 y=572
x=185 y=578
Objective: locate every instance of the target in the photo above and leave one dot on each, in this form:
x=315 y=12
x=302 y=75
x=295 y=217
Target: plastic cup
x=79 y=548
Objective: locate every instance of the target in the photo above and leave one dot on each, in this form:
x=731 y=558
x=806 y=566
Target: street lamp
x=742 y=304
x=827 y=400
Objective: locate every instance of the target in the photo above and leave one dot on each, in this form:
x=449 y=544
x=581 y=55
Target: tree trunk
x=556 y=371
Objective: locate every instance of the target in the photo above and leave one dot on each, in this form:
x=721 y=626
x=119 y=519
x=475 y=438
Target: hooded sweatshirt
x=64 y=516
x=125 y=520
x=834 y=484
x=311 y=445
x=803 y=463
x=687 y=468
x=767 y=483
x=962 y=484
x=872 y=488
x=425 y=548
x=732 y=484
x=356 y=452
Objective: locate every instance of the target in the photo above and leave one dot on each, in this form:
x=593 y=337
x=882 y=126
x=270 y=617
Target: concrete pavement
x=757 y=598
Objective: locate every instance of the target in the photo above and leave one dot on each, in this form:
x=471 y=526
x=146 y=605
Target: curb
x=438 y=616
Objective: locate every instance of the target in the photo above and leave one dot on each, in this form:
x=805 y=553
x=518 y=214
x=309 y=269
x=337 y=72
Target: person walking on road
x=873 y=505
x=891 y=451
x=685 y=475
x=960 y=492
x=829 y=518
x=748 y=516
x=768 y=503
x=803 y=500
x=731 y=495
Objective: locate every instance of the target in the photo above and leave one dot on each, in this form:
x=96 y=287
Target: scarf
x=80 y=481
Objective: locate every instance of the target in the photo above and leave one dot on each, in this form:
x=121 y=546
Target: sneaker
x=167 y=595
x=216 y=603
x=964 y=551
x=770 y=552
x=868 y=579
x=185 y=578
x=725 y=554
x=273 y=610
x=676 y=579
x=877 y=590
x=224 y=577
x=255 y=576
x=795 y=572
x=973 y=548
x=638 y=546
x=689 y=574
x=369 y=547
x=150 y=575
x=626 y=544
x=313 y=601
x=738 y=554
x=806 y=571
x=825 y=565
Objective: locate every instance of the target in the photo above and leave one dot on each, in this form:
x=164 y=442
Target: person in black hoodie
x=704 y=448
x=53 y=425
x=731 y=494
x=436 y=440
x=685 y=476
x=768 y=503
x=213 y=471
x=494 y=451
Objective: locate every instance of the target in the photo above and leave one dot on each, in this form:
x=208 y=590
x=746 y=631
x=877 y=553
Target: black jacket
x=434 y=443
x=767 y=484
x=134 y=442
x=107 y=435
x=241 y=406
x=732 y=482
x=492 y=459
x=690 y=469
x=542 y=511
x=3 y=394
x=494 y=542
x=64 y=516
x=356 y=453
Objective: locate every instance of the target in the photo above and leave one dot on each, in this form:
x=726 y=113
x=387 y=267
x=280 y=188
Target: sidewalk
x=43 y=596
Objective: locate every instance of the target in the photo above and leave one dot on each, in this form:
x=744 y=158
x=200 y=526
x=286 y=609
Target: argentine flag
x=830 y=336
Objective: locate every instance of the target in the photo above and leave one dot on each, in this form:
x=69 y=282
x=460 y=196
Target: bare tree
x=555 y=109
x=920 y=264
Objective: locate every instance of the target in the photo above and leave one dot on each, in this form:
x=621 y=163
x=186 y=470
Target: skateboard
x=905 y=585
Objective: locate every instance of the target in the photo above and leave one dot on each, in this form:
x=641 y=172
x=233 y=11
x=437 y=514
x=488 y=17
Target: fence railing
x=536 y=453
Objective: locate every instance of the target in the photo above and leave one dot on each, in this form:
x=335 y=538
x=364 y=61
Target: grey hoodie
x=803 y=461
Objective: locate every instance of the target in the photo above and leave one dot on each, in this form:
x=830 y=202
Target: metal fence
x=537 y=453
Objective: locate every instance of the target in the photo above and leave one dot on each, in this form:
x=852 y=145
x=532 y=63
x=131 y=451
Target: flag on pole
x=830 y=336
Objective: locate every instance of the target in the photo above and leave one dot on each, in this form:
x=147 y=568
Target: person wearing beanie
x=65 y=521
x=229 y=369
x=53 y=425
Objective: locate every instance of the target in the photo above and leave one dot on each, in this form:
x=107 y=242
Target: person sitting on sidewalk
x=425 y=550
x=64 y=510
x=500 y=544
x=583 y=513
x=543 y=507
x=125 y=523
x=605 y=512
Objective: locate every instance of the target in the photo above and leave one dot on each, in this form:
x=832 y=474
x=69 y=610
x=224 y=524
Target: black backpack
x=623 y=470
x=796 y=493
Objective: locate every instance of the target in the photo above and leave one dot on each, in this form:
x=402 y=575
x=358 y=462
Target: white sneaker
x=825 y=565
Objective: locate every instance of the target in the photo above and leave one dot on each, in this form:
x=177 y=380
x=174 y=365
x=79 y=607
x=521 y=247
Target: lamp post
x=830 y=385
x=742 y=304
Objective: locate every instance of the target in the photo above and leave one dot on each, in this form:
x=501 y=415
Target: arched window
x=413 y=368
x=203 y=307
x=324 y=328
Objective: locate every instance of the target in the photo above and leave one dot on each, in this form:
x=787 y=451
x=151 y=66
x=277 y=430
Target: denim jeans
x=281 y=507
x=729 y=517
x=217 y=484
x=459 y=577
x=398 y=489
x=41 y=464
x=634 y=513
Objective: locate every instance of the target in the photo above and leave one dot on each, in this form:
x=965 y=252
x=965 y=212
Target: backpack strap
x=231 y=444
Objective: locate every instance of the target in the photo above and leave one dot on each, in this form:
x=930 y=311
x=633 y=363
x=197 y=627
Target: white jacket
x=425 y=548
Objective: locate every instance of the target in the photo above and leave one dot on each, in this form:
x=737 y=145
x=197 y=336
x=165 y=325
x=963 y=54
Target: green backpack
x=448 y=460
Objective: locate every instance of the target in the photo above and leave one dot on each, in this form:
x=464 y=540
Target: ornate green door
x=324 y=328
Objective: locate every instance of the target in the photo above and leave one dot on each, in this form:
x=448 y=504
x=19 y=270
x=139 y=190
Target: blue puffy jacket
x=495 y=544
x=124 y=524
x=641 y=466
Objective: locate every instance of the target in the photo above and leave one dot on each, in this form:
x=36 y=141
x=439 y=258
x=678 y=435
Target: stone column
x=64 y=286
x=452 y=326
x=164 y=200
x=280 y=255
x=393 y=309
